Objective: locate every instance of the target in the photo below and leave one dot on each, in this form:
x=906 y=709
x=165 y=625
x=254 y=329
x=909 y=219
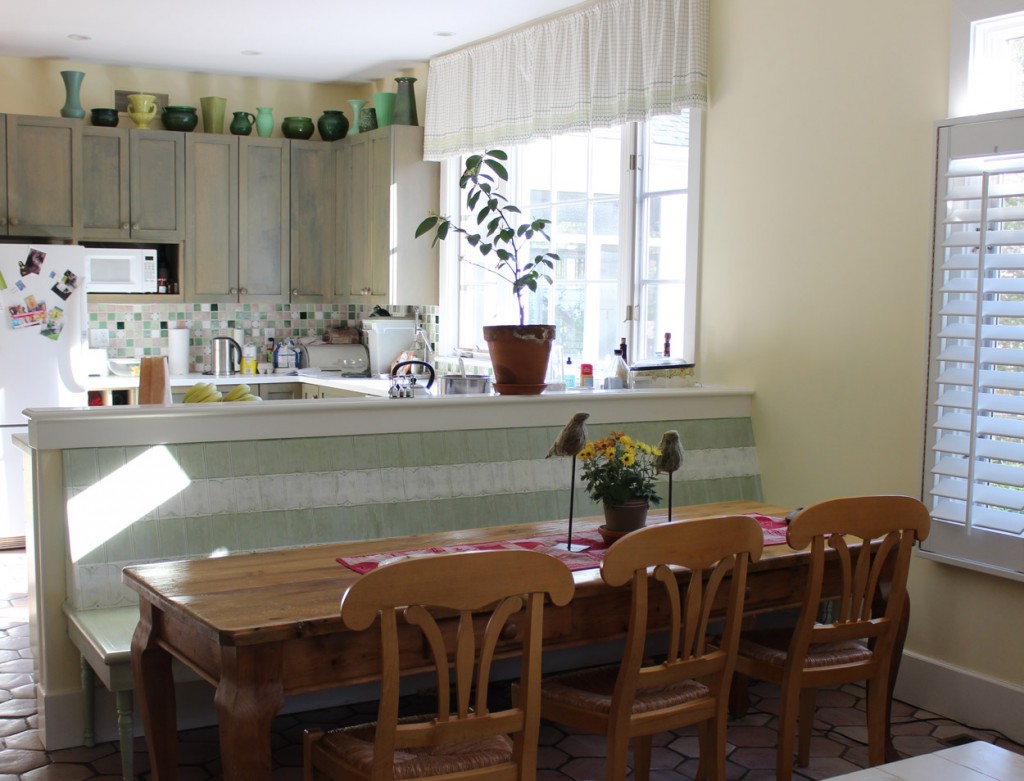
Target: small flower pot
x=626 y=517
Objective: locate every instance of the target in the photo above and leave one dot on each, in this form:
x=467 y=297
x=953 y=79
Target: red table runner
x=774 y=529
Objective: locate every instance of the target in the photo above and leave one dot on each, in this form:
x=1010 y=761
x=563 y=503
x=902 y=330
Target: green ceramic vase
x=297 y=127
x=405 y=102
x=332 y=125
x=182 y=118
x=241 y=123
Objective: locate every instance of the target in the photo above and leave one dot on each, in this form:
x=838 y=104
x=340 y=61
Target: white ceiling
x=302 y=40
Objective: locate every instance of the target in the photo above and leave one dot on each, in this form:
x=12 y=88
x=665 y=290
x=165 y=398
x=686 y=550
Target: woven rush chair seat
x=771 y=646
x=593 y=689
x=354 y=745
x=452 y=615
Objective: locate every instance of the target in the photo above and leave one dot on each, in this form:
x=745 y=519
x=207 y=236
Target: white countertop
x=151 y=424
x=370 y=386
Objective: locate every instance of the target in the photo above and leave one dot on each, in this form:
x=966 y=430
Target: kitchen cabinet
x=385 y=189
x=313 y=220
x=3 y=175
x=319 y=392
x=42 y=181
x=270 y=391
x=237 y=206
x=211 y=217
x=133 y=185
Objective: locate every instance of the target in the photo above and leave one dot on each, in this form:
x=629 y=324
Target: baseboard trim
x=966 y=696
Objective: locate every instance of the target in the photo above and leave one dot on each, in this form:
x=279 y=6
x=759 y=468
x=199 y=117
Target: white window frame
x=630 y=247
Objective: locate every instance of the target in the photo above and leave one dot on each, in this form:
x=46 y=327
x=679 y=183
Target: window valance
x=607 y=63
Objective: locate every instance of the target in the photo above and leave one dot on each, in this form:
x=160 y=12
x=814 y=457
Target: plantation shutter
x=975 y=447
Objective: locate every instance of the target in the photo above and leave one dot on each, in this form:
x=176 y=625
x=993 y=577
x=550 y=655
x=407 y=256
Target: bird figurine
x=670 y=459
x=570 y=442
x=572 y=438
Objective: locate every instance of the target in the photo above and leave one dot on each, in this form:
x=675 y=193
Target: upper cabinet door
x=3 y=175
x=264 y=169
x=312 y=221
x=105 y=205
x=43 y=176
x=211 y=208
x=157 y=166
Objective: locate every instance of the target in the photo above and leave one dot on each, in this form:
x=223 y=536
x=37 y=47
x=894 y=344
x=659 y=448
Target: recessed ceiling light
x=77 y=37
x=251 y=53
x=444 y=34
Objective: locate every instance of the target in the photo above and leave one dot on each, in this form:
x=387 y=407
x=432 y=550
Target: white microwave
x=121 y=270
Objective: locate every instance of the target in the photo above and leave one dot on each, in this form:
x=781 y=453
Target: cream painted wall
x=815 y=269
x=34 y=86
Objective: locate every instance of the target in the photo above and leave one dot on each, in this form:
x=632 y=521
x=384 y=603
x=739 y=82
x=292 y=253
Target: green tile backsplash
x=137 y=330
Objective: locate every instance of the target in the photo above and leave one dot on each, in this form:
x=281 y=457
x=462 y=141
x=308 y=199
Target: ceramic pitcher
x=241 y=124
x=142 y=109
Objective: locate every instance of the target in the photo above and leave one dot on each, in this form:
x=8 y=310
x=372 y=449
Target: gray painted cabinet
x=385 y=190
x=237 y=197
x=3 y=175
x=133 y=185
x=211 y=217
x=264 y=177
x=43 y=177
x=313 y=220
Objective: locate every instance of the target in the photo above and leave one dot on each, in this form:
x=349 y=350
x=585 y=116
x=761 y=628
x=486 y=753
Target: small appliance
x=225 y=351
x=386 y=338
x=344 y=360
x=120 y=270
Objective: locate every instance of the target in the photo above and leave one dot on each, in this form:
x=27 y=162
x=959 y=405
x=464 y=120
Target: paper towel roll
x=178 y=350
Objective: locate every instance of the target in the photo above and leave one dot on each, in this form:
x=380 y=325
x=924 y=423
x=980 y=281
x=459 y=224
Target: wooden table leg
x=154 y=686
x=249 y=696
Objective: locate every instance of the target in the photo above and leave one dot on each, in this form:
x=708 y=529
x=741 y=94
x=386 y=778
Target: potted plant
x=619 y=472
x=519 y=353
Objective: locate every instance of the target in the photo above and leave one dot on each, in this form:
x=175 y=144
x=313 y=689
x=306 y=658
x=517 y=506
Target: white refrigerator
x=42 y=356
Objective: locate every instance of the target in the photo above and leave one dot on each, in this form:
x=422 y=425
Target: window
x=624 y=225
x=986 y=56
x=975 y=433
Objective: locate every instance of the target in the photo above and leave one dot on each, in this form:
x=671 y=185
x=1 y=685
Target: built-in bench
x=233 y=495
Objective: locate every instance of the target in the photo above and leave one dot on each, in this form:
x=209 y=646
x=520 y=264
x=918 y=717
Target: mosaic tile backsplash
x=137 y=330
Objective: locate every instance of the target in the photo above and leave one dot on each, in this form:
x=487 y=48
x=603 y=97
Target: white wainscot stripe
x=247 y=494
x=394 y=484
x=274 y=491
x=713 y=464
x=323 y=489
x=220 y=496
x=297 y=487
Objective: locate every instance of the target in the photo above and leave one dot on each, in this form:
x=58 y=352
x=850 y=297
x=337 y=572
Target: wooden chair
x=857 y=643
x=638 y=698
x=460 y=611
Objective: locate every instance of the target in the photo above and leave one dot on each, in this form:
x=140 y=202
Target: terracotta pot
x=626 y=517
x=519 y=355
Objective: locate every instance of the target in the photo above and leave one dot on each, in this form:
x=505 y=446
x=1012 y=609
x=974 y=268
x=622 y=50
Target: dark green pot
x=297 y=127
x=182 y=118
x=405 y=102
x=332 y=125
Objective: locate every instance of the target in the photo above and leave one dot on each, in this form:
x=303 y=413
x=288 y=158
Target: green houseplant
x=519 y=353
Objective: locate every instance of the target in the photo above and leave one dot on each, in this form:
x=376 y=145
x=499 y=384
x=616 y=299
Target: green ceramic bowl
x=297 y=127
x=180 y=118
x=104 y=117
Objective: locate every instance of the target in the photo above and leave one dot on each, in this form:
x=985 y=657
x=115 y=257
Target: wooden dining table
x=261 y=627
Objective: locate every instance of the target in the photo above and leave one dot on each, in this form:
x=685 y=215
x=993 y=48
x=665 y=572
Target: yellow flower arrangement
x=619 y=469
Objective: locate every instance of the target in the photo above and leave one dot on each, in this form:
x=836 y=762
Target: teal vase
x=384 y=102
x=72 y=88
x=264 y=121
x=357 y=111
x=405 y=102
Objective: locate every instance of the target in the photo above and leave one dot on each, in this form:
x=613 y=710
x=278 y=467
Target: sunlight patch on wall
x=111 y=505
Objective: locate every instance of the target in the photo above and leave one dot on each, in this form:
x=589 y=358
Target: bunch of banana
x=202 y=392
x=241 y=393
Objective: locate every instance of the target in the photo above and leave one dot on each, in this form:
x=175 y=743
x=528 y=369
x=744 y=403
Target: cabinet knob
x=244 y=291
x=135 y=226
x=295 y=291
x=233 y=291
x=124 y=226
x=3 y=220
x=14 y=220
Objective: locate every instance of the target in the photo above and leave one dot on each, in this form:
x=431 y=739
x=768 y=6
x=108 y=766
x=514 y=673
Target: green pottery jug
x=242 y=123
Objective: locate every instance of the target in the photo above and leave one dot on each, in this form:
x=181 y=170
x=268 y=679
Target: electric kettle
x=225 y=352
